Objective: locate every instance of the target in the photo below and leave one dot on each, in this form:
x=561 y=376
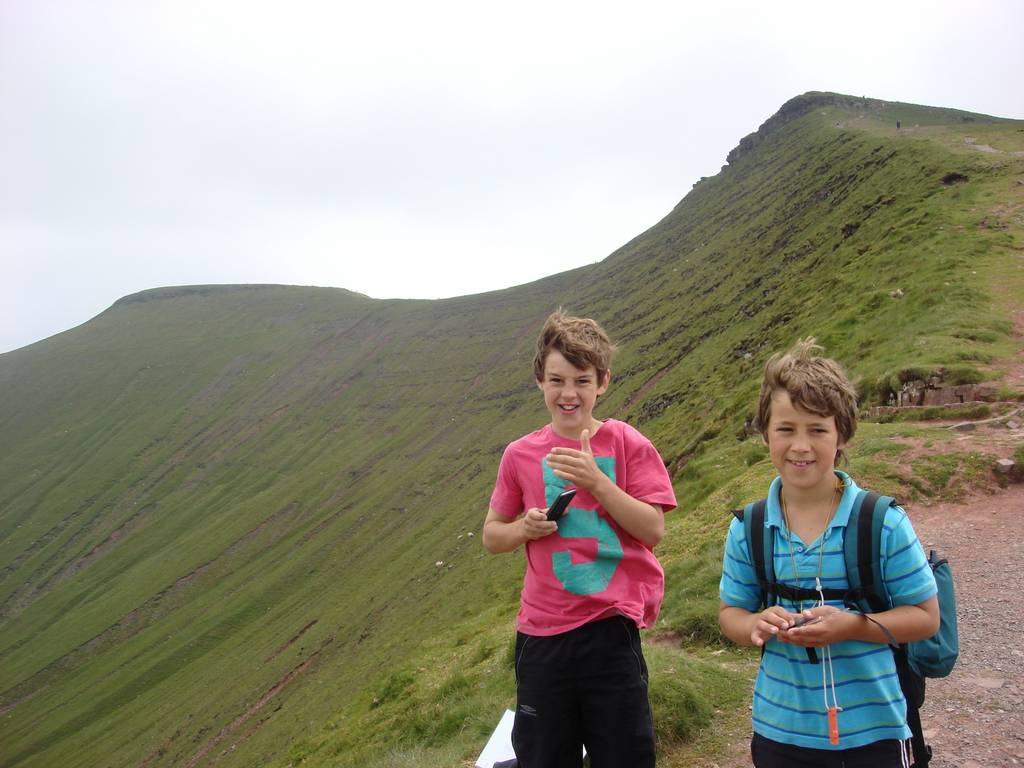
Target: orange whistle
x=833 y=725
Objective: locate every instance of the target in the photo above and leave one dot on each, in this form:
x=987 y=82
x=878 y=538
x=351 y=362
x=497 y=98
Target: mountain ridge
x=177 y=291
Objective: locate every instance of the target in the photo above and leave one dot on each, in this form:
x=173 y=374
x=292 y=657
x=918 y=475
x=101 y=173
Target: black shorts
x=583 y=687
x=888 y=753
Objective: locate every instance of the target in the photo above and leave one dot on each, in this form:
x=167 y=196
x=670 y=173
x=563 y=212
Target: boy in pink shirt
x=592 y=579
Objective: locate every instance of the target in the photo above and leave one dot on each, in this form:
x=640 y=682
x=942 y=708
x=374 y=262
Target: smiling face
x=570 y=394
x=803 y=447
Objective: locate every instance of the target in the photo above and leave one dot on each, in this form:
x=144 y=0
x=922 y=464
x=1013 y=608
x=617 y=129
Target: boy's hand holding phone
x=813 y=629
x=769 y=623
x=560 y=505
x=536 y=524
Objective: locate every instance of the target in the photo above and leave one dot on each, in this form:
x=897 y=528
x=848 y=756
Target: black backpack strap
x=863 y=552
x=913 y=687
x=922 y=752
x=799 y=594
x=862 y=549
x=762 y=555
x=761 y=549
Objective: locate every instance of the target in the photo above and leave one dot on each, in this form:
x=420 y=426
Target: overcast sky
x=410 y=149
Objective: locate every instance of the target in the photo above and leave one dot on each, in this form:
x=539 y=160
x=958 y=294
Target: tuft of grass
x=964 y=412
x=1007 y=393
x=700 y=702
x=677 y=706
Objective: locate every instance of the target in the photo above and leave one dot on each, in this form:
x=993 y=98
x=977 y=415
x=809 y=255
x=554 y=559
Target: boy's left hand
x=826 y=625
x=578 y=467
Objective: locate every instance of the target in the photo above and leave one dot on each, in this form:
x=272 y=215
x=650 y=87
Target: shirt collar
x=773 y=513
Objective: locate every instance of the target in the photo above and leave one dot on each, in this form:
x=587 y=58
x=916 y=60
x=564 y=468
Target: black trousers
x=880 y=754
x=584 y=687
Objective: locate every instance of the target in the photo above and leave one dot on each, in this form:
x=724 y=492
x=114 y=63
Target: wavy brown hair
x=816 y=384
x=580 y=340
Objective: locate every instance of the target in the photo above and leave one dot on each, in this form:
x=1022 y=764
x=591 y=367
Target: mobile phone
x=560 y=504
x=804 y=621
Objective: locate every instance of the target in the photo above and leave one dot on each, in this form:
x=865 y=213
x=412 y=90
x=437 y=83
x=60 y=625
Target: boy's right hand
x=536 y=524
x=769 y=622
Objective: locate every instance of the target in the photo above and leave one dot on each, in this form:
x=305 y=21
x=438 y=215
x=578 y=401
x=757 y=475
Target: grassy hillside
x=238 y=525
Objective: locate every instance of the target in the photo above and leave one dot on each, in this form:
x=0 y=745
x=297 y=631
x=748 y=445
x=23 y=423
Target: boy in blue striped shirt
x=807 y=413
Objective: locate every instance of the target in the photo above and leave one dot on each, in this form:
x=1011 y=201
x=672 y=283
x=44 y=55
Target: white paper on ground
x=499 y=746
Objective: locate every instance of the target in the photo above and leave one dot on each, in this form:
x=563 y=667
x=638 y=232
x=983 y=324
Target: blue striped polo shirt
x=789 y=702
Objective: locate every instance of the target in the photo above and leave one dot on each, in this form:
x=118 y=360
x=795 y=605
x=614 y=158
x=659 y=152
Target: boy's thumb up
x=585 y=442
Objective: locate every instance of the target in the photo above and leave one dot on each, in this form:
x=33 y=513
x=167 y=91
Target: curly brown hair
x=580 y=340
x=816 y=384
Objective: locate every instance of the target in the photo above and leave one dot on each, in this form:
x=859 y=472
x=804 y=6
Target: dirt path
x=975 y=717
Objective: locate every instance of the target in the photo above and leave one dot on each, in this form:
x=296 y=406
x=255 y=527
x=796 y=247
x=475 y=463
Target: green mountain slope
x=235 y=521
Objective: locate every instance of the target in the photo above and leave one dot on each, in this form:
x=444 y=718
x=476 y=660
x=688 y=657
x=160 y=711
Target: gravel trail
x=975 y=717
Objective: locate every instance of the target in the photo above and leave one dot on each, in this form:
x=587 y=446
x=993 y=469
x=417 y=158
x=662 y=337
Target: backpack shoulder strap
x=762 y=555
x=862 y=549
x=761 y=548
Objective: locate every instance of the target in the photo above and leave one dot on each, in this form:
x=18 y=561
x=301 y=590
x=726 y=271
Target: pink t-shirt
x=592 y=568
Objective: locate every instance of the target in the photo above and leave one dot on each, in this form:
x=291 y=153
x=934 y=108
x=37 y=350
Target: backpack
x=915 y=661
